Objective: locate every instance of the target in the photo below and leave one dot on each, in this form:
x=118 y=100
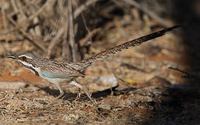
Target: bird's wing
x=59 y=72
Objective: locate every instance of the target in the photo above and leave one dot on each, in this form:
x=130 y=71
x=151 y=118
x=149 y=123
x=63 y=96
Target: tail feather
x=135 y=42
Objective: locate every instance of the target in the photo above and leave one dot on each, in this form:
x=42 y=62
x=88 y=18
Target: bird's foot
x=85 y=91
x=60 y=95
x=78 y=96
x=60 y=91
x=89 y=95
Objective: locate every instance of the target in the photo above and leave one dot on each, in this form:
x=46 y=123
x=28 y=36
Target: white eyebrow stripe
x=25 y=56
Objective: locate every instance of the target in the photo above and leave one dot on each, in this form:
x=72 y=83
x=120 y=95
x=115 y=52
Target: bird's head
x=25 y=60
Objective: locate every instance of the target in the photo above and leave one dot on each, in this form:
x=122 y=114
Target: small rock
x=105 y=106
x=71 y=117
x=103 y=83
x=109 y=80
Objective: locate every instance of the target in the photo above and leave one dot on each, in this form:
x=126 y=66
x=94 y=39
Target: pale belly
x=57 y=80
x=51 y=78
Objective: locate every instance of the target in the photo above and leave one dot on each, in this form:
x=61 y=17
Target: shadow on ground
x=183 y=107
x=96 y=95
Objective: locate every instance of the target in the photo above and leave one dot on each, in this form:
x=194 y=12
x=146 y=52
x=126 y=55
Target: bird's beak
x=12 y=57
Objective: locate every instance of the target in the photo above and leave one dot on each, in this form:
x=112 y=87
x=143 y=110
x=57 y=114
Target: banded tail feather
x=131 y=43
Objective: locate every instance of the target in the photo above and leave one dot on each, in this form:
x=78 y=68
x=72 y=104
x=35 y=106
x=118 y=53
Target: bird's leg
x=60 y=90
x=79 y=94
x=82 y=88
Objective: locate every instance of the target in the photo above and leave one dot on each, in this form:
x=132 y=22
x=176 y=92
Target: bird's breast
x=48 y=74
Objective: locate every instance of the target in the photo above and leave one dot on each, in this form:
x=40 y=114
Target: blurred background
x=157 y=82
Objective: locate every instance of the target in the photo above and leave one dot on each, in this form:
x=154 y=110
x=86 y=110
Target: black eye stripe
x=23 y=58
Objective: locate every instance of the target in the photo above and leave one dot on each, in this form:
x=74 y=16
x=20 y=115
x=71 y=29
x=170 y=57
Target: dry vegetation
x=134 y=87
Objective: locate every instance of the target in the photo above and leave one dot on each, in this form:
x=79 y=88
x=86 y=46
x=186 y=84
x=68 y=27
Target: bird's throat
x=30 y=67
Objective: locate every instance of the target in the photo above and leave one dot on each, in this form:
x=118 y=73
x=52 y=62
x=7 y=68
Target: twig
x=54 y=41
x=83 y=7
x=38 y=12
x=27 y=36
x=71 y=32
x=14 y=6
x=66 y=53
x=4 y=18
x=55 y=24
x=20 y=9
x=186 y=74
x=148 y=12
x=30 y=18
x=89 y=36
x=64 y=21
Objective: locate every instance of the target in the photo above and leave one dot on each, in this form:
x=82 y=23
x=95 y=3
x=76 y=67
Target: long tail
x=135 y=42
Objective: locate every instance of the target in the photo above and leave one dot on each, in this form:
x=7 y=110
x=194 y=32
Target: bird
x=58 y=72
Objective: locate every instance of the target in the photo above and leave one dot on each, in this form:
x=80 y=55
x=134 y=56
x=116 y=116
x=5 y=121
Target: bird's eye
x=23 y=58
